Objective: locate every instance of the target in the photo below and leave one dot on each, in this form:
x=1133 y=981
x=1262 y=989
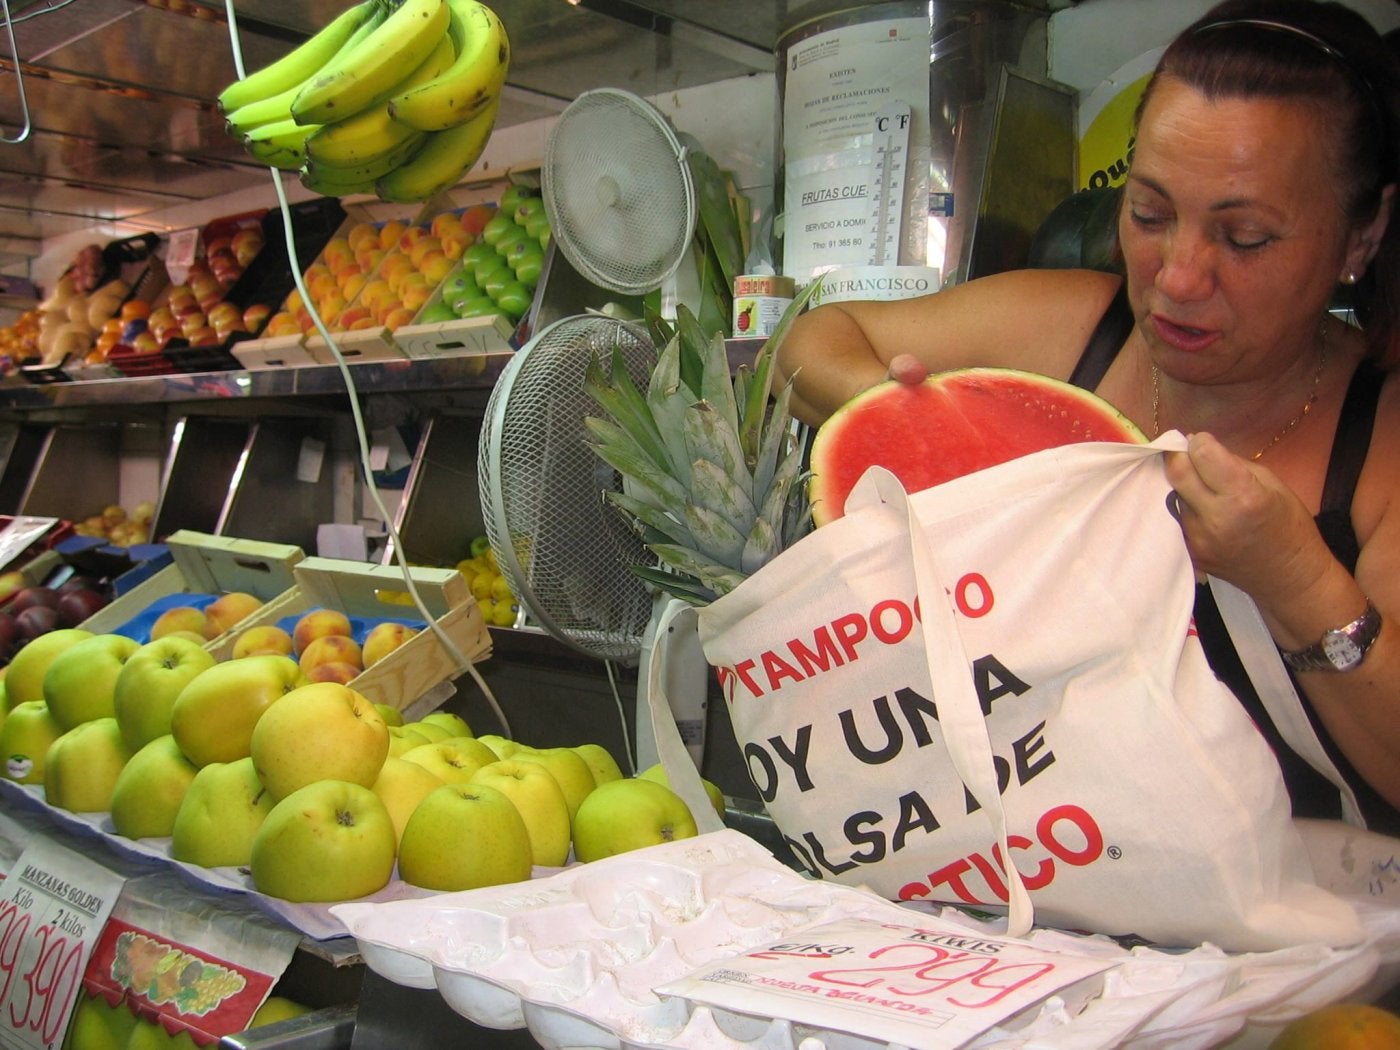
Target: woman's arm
x=1035 y=319
x=1245 y=526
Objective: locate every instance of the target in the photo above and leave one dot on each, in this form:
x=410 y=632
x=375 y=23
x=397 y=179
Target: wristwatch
x=1340 y=649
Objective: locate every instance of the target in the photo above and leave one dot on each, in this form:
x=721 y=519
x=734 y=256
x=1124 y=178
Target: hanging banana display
x=392 y=97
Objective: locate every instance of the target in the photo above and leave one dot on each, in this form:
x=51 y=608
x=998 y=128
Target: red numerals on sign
x=48 y=964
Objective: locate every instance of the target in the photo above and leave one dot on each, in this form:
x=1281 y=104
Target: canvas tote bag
x=990 y=694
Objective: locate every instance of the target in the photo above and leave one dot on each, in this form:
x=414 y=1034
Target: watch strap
x=1359 y=635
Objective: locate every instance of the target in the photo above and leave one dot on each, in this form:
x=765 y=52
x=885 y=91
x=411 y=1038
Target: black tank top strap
x=1353 y=438
x=1105 y=342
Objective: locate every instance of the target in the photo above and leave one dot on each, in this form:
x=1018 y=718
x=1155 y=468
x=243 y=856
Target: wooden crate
x=374 y=593
x=204 y=565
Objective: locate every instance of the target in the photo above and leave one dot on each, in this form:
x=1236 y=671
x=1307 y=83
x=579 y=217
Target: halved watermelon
x=952 y=424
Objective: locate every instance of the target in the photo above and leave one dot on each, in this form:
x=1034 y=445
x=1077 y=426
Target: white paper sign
x=933 y=986
x=53 y=905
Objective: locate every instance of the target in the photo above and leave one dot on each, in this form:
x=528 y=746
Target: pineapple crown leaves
x=710 y=465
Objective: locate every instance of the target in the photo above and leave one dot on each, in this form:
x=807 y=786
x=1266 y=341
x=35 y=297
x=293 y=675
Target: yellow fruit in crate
x=503 y=614
x=481 y=585
x=487 y=607
x=500 y=589
x=1341 y=1026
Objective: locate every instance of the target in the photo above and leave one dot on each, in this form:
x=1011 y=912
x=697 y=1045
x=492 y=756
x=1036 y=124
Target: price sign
x=53 y=905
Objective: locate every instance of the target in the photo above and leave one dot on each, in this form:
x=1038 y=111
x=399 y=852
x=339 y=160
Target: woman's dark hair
x=1329 y=56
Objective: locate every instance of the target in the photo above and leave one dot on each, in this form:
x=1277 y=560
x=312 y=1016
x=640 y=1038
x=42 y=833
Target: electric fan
x=620 y=196
x=567 y=552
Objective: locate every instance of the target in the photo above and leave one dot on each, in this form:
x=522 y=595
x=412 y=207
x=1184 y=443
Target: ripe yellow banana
x=299 y=63
x=329 y=184
x=281 y=144
x=470 y=83
x=372 y=132
x=373 y=167
x=359 y=77
x=276 y=107
x=441 y=161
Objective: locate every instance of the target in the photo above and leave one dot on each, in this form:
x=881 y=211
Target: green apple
x=438 y=312
x=431 y=730
x=504 y=747
x=214 y=715
x=463 y=837
x=476 y=306
x=452 y=761
x=476 y=255
x=222 y=810
x=80 y=684
x=632 y=813
x=405 y=738
x=82 y=766
x=514 y=298
x=321 y=731
x=327 y=841
x=25 y=737
x=568 y=767
x=401 y=786
x=537 y=226
x=600 y=762
x=277 y=1008
x=527 y=209
x=150 y=788
x=392 y=715
x=515 y=195
x=455 y=725
x=24 y=681
x=540 y=800
x=150 y=680
x=459 y=285
x=98 y=1026
x=500 y=227
x=528 y=266
x=658 y=774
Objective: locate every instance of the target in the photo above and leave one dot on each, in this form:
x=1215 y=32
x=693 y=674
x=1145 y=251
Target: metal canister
x=759 y=302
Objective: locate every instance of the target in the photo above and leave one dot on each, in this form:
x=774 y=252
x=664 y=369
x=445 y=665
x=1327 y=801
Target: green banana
x=372 y=132
x=475 y=77
x=328 y=183
x=281 y=144
x=278 y=106
x=373 y=167
x=359 y=77
x=442 y=161
x=299 y=63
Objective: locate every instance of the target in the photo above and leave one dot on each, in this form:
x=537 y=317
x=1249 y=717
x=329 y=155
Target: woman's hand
x=1244 y=525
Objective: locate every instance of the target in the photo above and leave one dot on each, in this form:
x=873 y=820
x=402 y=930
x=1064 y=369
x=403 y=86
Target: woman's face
x=1231 y=232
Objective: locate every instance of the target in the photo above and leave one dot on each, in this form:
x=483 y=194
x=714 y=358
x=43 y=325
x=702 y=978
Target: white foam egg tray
x=576 y=958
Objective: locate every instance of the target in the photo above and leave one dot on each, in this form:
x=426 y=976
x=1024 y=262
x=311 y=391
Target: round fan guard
x=566 y=552
x=618 y=191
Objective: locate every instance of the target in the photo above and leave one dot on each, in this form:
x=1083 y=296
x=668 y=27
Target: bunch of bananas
x=393 y=97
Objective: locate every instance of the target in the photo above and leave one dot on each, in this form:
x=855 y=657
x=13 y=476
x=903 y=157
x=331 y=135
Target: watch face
x=1341 y=651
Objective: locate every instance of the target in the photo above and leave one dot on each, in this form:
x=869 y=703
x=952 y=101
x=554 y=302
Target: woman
x=1263 y=178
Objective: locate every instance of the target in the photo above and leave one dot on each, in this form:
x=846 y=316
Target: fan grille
x=565 y=550
x=617 y=190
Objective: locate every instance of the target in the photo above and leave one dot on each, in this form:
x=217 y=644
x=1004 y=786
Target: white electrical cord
x=463 y=663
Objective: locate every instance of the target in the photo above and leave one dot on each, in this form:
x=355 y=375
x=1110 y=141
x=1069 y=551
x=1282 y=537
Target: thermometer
x=889 y=156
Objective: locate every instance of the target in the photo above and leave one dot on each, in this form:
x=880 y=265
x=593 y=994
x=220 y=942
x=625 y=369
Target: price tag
x=181 y=248
x=53 y=905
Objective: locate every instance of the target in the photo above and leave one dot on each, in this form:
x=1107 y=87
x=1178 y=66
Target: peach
x=229 y=609
x=454 y=245
x=475 y=218
x=319 y=623
x=353 y=315
x=394 y=269
x=414 y=296
x=383 y=639
x=353 y=284
x=369 y=258
x=362 y=234
x=375 y=292
x=322 y=285
x=330 y=649
x=344 y=673
x=390 y=233
x=447 y=222
x=338 y=250
x=411 y=236
x=179 y=618
x=361 y=323
x=398 y=317
x=435 y=266
x=420 y=248
x=294 y=301
x=263 y=638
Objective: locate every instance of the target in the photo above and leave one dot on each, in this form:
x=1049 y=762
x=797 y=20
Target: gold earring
x=1350 y=277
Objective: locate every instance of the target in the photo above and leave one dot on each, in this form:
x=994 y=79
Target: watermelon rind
x=952 y=424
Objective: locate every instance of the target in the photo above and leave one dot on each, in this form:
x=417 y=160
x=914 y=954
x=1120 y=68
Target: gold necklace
x=1288 y=427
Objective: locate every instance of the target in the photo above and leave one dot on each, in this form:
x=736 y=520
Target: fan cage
x=565 y=550
x=618 y=191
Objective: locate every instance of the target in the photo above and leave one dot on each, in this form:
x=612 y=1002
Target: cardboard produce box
x=369 y=594
x=202 y=568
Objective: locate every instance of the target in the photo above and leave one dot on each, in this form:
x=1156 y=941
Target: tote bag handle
x=1276 y=691
x=950 y=670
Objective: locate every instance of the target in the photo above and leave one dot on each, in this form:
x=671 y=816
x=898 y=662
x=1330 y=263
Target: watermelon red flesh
x=954 y=423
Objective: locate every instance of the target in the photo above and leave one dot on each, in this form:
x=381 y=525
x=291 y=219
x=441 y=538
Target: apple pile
x=499 y=605
x=500 y=271
x=198 y=310
x=29 y=612
x=320 y=794
x=97 y=1023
